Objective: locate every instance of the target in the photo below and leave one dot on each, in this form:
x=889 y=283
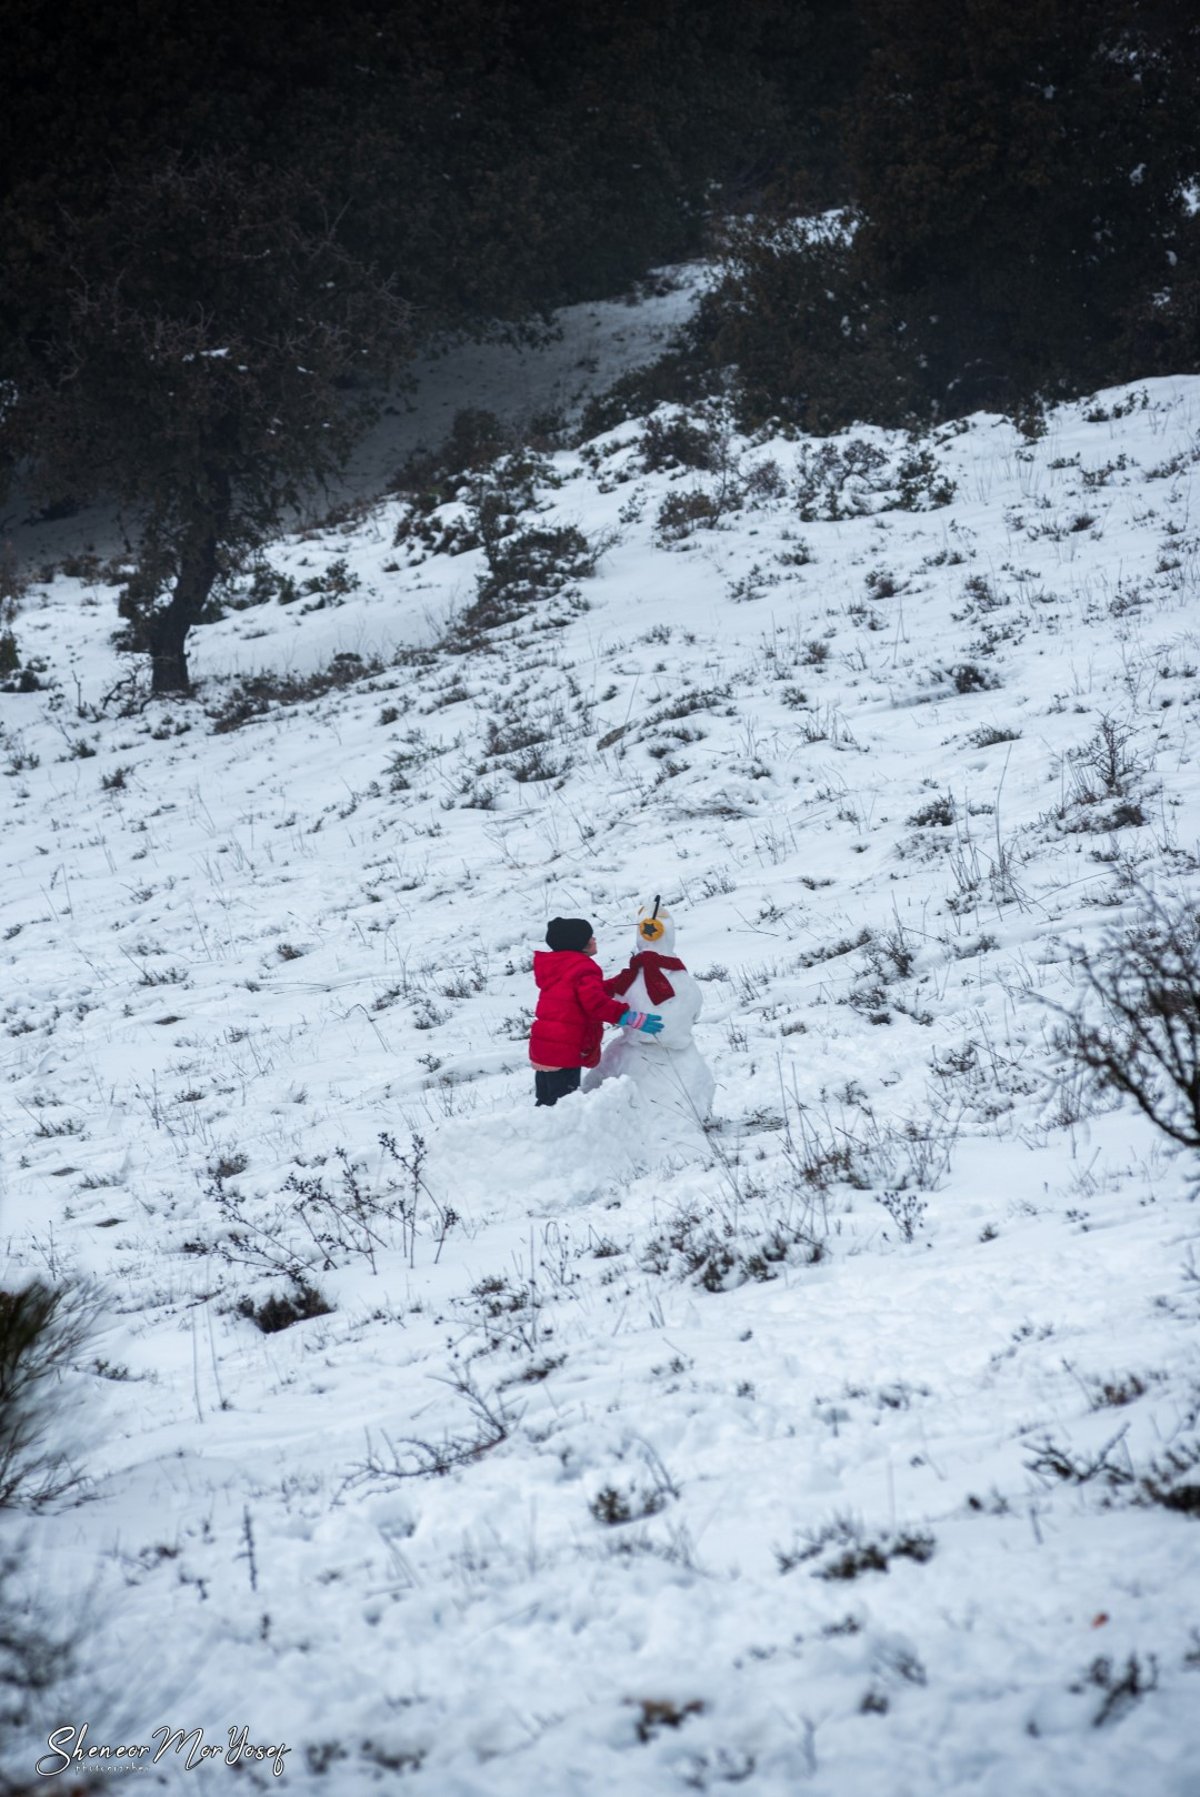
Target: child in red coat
x=572 y=1009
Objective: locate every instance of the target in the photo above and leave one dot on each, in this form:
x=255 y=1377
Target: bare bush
x=1106 y=761
x=1136 y=1029
x=906 y=1210
x=345 y=1215
x=414 y=1457
x=1050 y=1460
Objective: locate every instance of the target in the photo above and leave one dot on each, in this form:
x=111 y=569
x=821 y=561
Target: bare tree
x=1137 y=1027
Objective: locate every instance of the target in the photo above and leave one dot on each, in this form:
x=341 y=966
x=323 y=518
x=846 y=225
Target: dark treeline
x=1020 y=181
x=490 y=157
x=220 y=226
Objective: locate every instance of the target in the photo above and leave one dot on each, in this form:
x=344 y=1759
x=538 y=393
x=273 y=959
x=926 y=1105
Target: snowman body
x=668 y=1069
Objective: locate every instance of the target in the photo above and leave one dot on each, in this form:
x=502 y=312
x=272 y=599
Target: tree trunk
x=167 y=631
x=168 y=658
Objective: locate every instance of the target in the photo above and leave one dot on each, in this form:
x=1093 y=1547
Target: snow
x=555 y=1494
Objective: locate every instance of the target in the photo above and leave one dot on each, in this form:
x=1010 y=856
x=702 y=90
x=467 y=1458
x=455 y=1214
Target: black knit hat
x=569 y=932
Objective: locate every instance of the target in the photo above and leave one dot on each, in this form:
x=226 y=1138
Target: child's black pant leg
x=556 y=1084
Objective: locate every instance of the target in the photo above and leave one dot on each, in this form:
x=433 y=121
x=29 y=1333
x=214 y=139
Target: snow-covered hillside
x=812 y=1451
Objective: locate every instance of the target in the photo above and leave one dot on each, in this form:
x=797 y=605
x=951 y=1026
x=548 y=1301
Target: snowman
x=667 y=1069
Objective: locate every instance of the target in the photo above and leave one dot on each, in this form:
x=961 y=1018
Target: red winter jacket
x=572 y=1009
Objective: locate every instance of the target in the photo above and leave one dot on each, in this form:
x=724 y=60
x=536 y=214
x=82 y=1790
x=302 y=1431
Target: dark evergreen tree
x=804 y=332
x=208 y=366
x=1020 y=167
x=1018 y=173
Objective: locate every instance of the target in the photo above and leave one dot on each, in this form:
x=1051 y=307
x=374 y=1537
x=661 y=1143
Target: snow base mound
x=546 y=1159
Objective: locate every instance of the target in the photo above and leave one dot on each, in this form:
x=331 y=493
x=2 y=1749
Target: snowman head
x=655 y=929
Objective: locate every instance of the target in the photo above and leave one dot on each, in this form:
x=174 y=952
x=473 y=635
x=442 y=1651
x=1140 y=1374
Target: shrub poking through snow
x=967 y=677
x=939 y=812
x=613 y=1506
x=988 y=735
x=1122 y=1689
x=525 y=560
x=282 y=1309
x=1107 y=1465
x=258 y=694
x=857 y=477
x=682 y=513
x=527 y=565
x=1103 y=770
x=720 y=1246
x=1174 y=1478
x=843 y=1550
x=673 y=440
x=657 y=1713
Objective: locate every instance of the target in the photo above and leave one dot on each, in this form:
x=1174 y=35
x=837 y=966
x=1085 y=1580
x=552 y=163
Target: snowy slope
x=610 y=1468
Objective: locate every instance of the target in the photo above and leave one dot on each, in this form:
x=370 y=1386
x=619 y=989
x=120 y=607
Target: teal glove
x=646 y=1021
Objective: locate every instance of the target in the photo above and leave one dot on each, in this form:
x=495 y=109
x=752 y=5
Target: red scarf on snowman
x=651 y=967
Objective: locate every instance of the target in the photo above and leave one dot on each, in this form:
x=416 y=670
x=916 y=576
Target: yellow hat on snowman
x=655 y=928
